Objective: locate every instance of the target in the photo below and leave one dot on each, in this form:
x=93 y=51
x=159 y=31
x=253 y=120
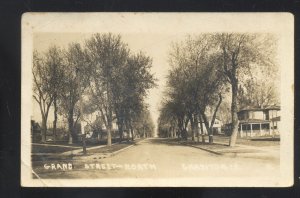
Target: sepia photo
x=157 y=99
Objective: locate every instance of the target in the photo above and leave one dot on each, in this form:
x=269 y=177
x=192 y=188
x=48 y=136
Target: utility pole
x=81 y=111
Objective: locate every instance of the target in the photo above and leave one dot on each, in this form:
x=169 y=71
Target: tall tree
x=74 y=65
x=167 y=121
x=143 y=123
x=195 y=81
x=107 y=53
x=42 y=88
x=137 y=80
x=239 y=53
x=54 y=61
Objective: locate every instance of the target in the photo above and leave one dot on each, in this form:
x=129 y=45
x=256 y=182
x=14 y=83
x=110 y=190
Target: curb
x=118 y=151
x=72 y=152
x=105 y=155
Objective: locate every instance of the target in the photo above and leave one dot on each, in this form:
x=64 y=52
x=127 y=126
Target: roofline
x=260 y=109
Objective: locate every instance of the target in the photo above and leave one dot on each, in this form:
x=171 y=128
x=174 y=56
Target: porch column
x=270 y=132
x=251 y=130
x=260 y=132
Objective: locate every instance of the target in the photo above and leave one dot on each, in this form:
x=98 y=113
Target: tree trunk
x=55 y=119
x=211 y=140
x=71 y=127
x=185 y=129
x=196 y=126
x=44 y=129
x=201 y=128
x=234 y=116
x=193 y=127
x=208 y=128
x=131 y=131
x=109 y=123
x=109 y=129
x=180 y=128
x=109 y=136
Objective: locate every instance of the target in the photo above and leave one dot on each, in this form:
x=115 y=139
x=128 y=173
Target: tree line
x=207 y=68
x=101 y=77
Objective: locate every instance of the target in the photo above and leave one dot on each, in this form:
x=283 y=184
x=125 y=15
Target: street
x=160 y=158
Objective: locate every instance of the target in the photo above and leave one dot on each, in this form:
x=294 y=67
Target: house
x=262 y=121
x=35 y=131
x=216 y=127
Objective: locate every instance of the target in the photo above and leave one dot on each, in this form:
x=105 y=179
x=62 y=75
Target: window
x=265 y=126
x=255 y=126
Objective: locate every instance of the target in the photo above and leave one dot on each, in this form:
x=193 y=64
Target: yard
x=254 y=141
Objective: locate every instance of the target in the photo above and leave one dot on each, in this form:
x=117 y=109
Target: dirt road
x=159 y=158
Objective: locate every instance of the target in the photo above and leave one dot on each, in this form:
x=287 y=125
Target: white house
x=262 y=121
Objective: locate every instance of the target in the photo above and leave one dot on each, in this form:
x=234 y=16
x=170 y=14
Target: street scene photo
x=176 y=107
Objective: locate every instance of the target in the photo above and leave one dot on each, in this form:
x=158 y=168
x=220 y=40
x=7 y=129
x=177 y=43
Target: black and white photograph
x=157 y=100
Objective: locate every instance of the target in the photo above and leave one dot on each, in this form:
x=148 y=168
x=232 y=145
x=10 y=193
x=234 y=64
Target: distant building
x=262 y=121
x=216 y=127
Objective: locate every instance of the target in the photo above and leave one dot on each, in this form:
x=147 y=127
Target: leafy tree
x=167 y=121
x=107 y=54
x=54 y=61
x=143 y=123
x=42 y=89
x=195 y=82
x=239 y=54
x=47 y=76
x=131 y=89
x=103 y=76
x=73 y=83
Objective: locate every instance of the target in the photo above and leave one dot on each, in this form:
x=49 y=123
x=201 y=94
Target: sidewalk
x=93 y=152
x=103 y=151
x=220 y=147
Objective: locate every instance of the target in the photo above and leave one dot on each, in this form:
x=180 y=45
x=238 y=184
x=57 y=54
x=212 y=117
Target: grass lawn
x=110 y=149
x=51 y=149
x=63 y=146
x=254 y=141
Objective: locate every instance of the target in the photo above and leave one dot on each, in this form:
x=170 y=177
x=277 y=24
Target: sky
x=157 y=46
x=149 y=32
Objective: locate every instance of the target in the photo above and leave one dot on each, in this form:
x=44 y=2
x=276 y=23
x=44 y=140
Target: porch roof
x=254 y=121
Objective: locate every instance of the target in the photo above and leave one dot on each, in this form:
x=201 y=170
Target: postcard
x=157 y=99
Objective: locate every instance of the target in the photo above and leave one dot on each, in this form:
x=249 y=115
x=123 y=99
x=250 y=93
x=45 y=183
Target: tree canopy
x=104 y=75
